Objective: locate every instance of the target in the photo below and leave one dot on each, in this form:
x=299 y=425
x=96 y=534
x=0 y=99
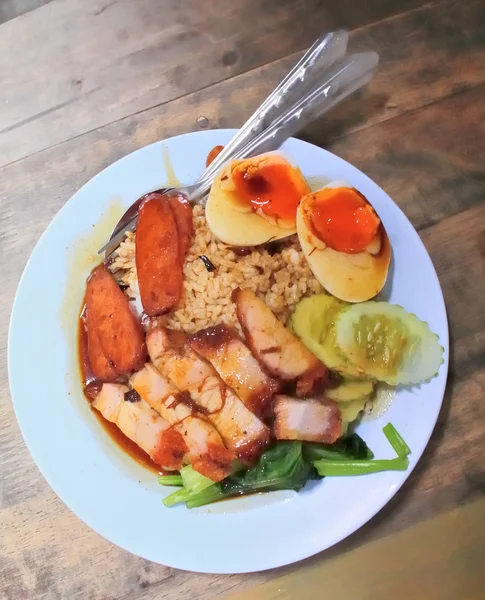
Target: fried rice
x=279 y=276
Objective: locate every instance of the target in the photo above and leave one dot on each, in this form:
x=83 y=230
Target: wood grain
x=419 y=159
x=444 y=562
x=9 y=9
x=399 y=85
x=109 y=59
x=419 y=132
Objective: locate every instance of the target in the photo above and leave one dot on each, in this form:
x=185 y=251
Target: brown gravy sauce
x=89 y=381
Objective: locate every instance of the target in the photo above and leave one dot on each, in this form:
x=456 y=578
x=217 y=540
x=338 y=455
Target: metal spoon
x=300 y=80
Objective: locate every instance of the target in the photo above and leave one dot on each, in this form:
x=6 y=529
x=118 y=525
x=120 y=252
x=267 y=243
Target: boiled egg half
x=344 y=242
x=254 y=201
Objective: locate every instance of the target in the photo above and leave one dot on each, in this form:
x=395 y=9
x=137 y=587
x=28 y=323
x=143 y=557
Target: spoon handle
x=298 y=99
x=343 y=78
x=325 y=51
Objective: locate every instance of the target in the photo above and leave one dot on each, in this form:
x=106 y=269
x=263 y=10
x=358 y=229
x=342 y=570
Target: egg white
x=235 y=225
x=349 y=277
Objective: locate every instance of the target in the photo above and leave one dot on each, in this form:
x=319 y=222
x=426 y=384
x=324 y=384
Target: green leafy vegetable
x=350 y=447
x=207 y=496
x=282 y=467
x=193 y=483
x=193 y=480
x=181 y=495
x=288 y=465
x=355 y=446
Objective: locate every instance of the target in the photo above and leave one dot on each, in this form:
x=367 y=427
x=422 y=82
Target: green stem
x=176 y=497
x=207 y=496
x=319 y=452
x=170 y=480
x=336 y=468
x=396 y=441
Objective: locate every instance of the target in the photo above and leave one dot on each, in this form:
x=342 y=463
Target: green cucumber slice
x=388 y=343
x=313 y=322
x=348 y=391
x=351 y=410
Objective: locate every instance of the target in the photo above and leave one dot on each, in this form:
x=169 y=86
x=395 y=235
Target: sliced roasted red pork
x=141 y=424
x=278 y=350
x=309 y=420
x=206 y=450
x=241 y=430
x=232 y=359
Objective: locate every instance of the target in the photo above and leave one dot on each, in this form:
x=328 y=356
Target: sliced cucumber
x=388 y=343
x=351 y=410
x=348 y=391
x=336 y=361
x=314 y=315
x=313 y=322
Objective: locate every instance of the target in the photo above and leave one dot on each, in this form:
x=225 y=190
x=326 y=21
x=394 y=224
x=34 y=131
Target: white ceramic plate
x=120 y=499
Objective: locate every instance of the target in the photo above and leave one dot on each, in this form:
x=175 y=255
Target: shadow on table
x=357 y=110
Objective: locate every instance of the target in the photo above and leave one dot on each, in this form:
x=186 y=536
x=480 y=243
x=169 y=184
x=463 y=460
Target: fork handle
x=325 y=51
x=345 y=77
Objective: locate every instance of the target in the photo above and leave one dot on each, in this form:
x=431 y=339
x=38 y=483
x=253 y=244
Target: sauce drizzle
x=91 y=386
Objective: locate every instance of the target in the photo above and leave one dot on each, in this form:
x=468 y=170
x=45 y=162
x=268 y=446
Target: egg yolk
x=342 y=219
x=270 y=185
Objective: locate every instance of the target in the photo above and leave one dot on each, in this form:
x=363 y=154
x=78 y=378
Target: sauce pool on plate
x=91 y=384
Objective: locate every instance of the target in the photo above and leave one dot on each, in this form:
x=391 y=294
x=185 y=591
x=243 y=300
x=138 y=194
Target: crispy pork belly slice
x=161 y=394
x=276 y=348
x=142 y=425
x=237 y=367
x=309 y=420
x=206 y=450
x=241 y=430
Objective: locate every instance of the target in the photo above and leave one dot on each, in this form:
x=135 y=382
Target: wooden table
x=83 y=83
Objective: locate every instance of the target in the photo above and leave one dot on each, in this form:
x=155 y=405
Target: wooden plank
x=109 y=59
x=426 y=160
x=9 y=9
x=441 y=559
x=425 y=55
